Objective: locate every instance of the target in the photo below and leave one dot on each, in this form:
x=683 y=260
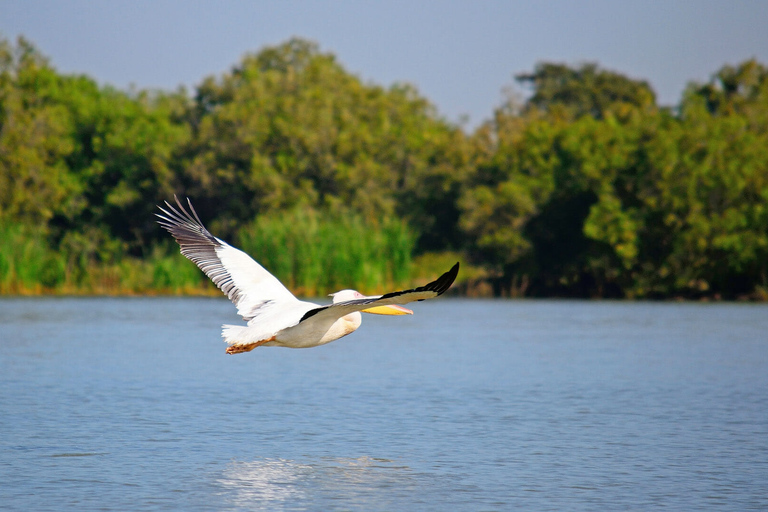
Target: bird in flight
x=274 y=316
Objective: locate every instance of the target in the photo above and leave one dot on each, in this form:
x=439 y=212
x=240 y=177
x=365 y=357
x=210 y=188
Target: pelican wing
x=247 y=284
x=428 y=291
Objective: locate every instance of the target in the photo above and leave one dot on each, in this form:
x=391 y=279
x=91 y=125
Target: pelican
x=274 y=316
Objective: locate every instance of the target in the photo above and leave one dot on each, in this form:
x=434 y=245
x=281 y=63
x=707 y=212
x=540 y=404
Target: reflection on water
x=266 y=484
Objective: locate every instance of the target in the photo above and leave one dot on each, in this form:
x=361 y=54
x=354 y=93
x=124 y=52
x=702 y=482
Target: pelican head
x=392 y=309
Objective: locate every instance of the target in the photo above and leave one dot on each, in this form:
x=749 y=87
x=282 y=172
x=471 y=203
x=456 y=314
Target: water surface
x=132 y=404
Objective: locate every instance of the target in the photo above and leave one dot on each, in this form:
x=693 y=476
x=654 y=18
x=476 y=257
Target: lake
x=132 y=404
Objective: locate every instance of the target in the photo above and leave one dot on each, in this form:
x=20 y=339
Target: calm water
x=132 y=404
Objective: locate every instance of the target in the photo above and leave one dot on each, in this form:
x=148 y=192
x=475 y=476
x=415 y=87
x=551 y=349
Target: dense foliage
x=588 y=188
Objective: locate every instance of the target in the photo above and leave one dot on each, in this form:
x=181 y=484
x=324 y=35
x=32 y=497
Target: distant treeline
x=587 y=188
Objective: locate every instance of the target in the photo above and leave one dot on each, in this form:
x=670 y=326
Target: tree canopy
x=627 y=199
x=586 y=189
x=586 y=90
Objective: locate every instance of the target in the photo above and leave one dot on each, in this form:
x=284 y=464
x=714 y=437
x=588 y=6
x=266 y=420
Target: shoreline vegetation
x=582 y=187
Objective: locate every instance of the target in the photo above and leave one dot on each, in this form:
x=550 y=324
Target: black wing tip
x=442 y=283
x=439 y=286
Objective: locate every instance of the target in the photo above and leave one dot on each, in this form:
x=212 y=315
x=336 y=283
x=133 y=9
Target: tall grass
x=309 y=253
x=315 y=255
x=30 y=265
x=27 y=264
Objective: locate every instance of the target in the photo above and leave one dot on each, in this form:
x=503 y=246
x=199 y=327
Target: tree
x=85 y=164
x=510 y=184
x=741 y=89
x=707 y=191
x=586 y=90
x=290 y=128
x=35 y=183
x=128 y=147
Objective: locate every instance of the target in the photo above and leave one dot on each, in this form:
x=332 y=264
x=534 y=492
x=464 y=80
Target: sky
x=461 y=55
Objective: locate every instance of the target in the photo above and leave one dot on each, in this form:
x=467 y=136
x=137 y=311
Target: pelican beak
x=389 y=310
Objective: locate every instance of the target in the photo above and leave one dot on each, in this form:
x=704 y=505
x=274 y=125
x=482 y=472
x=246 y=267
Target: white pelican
x=275 y=317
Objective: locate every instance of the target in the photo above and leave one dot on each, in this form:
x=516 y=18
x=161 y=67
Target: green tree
x=289 y=127
x=35 y=183
x=513 y=179
x=83 y=164
x=548 y=207
x=586 y=90
x=706 y=199
x=742 y=89
x=127 y=158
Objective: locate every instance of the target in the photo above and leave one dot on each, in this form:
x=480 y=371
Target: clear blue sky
x=459 y=54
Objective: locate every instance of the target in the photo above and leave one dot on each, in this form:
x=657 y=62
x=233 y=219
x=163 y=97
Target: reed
x=27 y=264
x=314 y=254
x=159 y=273
x=310 y=253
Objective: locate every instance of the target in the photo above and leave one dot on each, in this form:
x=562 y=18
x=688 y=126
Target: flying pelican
x=275 y=317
